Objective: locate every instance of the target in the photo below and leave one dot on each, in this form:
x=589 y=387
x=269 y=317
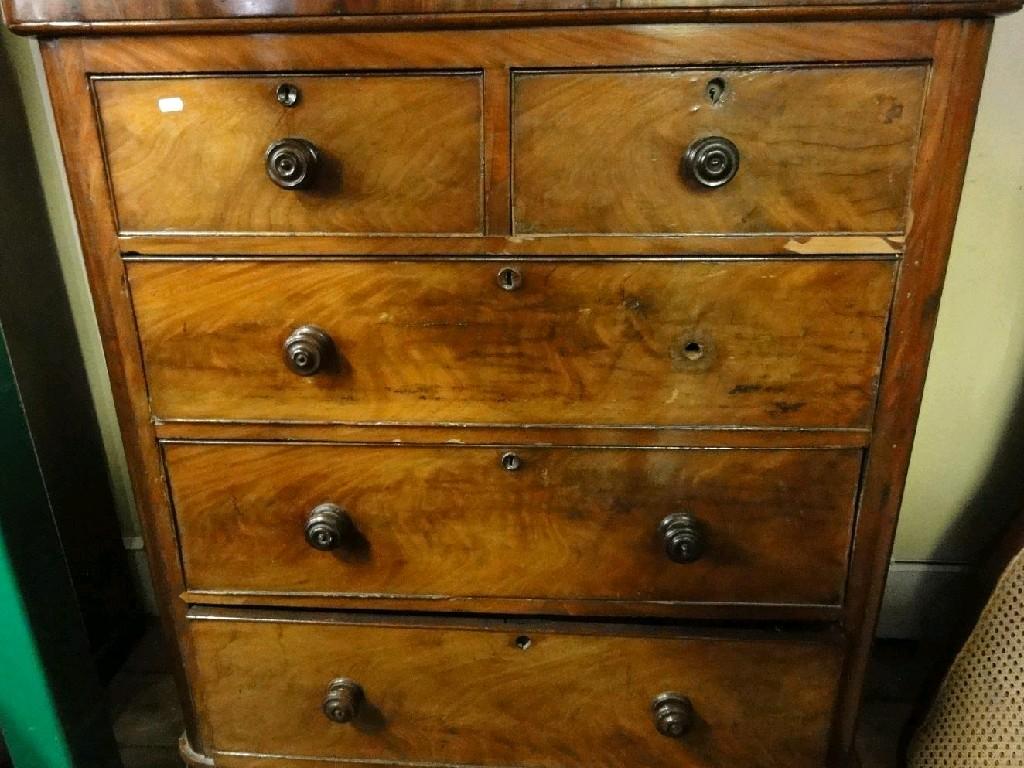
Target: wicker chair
x=976 y=719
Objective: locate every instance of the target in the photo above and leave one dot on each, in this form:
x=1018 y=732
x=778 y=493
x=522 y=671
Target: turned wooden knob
x=326 y=526
x=342 y=701
x=306 y=349
x=683 y=536
x=673 y=714
x=292 y=163
x=712 y=161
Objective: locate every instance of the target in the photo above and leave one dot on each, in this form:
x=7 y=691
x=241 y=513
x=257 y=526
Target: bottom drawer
x=495 y=693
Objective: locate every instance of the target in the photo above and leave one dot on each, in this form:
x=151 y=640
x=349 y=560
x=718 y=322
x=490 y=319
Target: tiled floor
x=147 y=720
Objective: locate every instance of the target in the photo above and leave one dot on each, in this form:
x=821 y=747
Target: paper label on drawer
x=171 y=104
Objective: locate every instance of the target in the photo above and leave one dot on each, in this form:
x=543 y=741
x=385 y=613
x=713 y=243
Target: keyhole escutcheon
x=510 y=278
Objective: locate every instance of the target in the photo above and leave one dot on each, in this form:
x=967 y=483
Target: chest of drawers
x=516 y=383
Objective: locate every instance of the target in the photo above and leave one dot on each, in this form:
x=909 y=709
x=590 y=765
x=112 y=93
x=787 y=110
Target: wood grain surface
x=957 y=75
x=757 y=343
x=568 y=524
x=536 y=436
x=822 y=149
x=142 y=246
x=472 y=695
x=162 y=16
x=579 y=45
x=399 y=153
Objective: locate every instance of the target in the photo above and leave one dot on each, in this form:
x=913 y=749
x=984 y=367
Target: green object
x=28 y=713
x=52 y=710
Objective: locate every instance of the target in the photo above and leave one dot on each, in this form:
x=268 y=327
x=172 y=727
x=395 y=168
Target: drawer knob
x=673 y=714
x=326 y=526
x=291 y=163
x=306 y=349
x=341 y=704
x=684 y=537
x=711 y=161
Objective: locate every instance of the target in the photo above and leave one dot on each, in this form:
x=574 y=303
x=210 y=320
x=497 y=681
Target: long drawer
x=491 y=693
x=757 y=343
x=599 y=524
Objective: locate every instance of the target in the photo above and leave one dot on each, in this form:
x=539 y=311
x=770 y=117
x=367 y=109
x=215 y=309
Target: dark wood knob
x=326 y=526
x=306 y=349
x=292 y=163
x=712 y=161
x=673 y=714
x=344 y=696
x=684 y=537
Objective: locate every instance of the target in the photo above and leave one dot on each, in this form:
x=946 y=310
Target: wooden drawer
x=568 y=524
x=751 y=343
x=821 y=149
x=396 y=153
x=507 y=694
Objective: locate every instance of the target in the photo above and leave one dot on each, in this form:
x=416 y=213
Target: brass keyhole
x=510 y=278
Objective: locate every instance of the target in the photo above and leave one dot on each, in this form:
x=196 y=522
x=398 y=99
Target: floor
x=144 y=707
x=899 y=672
x=147 y=720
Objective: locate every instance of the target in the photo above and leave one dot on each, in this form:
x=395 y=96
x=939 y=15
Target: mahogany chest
x=517 y=383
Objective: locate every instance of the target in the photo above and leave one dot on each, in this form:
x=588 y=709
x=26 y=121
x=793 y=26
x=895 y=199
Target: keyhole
x=287 y=95
x=509 y=278
x=716 y=90
x=693 y=350
x=510 y=461
x=523 y=642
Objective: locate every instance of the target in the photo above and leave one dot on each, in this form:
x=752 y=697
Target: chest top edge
x=97 y=17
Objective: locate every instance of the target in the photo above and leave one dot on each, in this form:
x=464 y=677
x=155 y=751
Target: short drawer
x=749 y=343
x=814 y=149
x=507 y=694
x=391 y=153
x=559 y=524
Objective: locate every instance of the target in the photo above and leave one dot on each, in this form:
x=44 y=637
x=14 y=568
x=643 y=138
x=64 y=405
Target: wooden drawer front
x=397 y=153
x=567 y=524
x=822 y=149
x=794 y=343
x=473 y=695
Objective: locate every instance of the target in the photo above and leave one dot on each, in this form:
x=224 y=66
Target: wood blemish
x=745 y=389
x=781 y=406
x=831 y=244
